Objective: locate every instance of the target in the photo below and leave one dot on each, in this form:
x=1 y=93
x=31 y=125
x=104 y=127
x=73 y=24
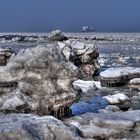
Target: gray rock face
x=38 y=80
x=83 y=55
x=108 y=126
x=32 y=127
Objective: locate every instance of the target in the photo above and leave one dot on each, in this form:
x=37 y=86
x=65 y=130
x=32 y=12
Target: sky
x=69 y=15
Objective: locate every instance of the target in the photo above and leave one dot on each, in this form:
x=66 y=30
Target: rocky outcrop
x=84 y=55
x=113 y=77
x=5 y=54
x=57 y=35
x=38 y=80
x=108 y=126
x=33 y=127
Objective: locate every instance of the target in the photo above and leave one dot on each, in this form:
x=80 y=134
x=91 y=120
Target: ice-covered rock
x=135 y=83
x=57 y=35
x=112 y=125
x=118 y=99
x=86 y=86
x=5 y=54
x=39 y=80
x=33 y=127
x=122 y=61
x=110 y=108
x=118 y=76
x=84 y=55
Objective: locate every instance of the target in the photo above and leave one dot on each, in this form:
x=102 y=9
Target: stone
x=38 y=80
x=108 y=126
x=84 y=55
x=33 y=127
x=57 y=35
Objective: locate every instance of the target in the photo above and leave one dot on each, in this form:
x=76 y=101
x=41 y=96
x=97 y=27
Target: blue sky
x=69 y=15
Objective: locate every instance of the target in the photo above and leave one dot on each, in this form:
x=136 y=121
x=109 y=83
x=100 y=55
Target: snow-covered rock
x=37 y=78
x=33 y=127
x=108 y=126
x=57 y=35
x=86 y=86
x=118 y=99
x=84 y=55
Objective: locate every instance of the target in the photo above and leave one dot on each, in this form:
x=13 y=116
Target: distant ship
x=87 y=29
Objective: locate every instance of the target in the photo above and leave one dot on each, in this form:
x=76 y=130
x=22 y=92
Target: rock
x=84 y=55
x=57 y=35
x=118 y=76
x=5 y=54
x=113 y=125
x=135 y=83
x=86 y=86
x=118 y=99
x=39 y=81
x=33 y=127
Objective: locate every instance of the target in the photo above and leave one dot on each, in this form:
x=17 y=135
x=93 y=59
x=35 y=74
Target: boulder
x=84 y=55
x=33 y=127
x=38 y=80
x=108 y=126
x=57 y=35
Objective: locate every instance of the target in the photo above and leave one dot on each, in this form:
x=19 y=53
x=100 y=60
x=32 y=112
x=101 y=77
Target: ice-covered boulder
x=118 y=76
x=33 y=127
x=108 y=126
x=5 y=54
x=84 y=55
x=135 y=83
x=118 y=99
x=86 y=86
x=57 y=35
x=110 y=108
x=38 y=80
